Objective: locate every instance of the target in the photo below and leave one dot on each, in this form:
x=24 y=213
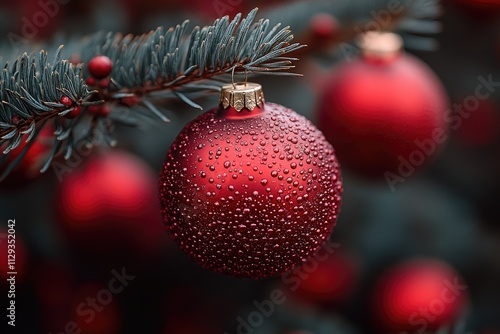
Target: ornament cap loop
x=242 y=95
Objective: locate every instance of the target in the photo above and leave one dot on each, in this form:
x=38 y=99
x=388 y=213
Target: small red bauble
x=382 y=108
x=250 y=193
x=418 y=296
x=109 y=205
x=100 y=67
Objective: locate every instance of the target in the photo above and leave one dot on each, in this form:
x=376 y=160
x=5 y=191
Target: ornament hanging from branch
x=250 y=188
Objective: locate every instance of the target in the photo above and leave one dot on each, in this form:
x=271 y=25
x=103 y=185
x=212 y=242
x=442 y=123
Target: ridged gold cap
x=242 y=95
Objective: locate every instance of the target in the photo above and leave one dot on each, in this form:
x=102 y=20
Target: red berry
x=101 y=110
x=90 y=81
x=105 y=110
x=73 y=113
x=130 y=101
x=16 y=119
x=324 y=25
x=104 y=83
x=66 y=101
x=94 y=110
x=100 y=67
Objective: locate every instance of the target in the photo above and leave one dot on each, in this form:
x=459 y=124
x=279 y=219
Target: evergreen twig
x=160 y=61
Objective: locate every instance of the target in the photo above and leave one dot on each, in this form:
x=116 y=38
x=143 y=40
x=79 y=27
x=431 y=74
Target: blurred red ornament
x=382 y=108
x=328 y=281
x=418 y=296
x=109 y=205
x=482 y=126
x=250 y=193
x=29 y=167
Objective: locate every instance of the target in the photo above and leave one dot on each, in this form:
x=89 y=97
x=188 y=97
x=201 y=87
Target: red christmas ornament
x=109 y=206
x=383 y=109
x=327 y=282
x=418 y=296
x=100 y=67
x=250 y=189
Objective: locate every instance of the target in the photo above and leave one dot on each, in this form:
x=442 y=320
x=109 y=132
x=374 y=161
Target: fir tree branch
x=160 y=61
x=172 y=63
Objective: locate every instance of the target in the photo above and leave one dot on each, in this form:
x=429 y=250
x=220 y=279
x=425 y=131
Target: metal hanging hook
x=232 y=75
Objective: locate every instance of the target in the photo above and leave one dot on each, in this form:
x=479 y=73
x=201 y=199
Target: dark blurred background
x=446 y=213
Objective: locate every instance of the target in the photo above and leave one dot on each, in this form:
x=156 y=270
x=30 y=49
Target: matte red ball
x=375 y=112
x=252 y=194
x=109 y=205
x=100 y=67
x=417 y=296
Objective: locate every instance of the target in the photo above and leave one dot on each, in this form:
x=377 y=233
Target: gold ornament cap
x=242 y=95
x=381 y=45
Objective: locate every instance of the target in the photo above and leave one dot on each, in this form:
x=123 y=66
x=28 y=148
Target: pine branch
x=171 y=63
x=164 y=61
